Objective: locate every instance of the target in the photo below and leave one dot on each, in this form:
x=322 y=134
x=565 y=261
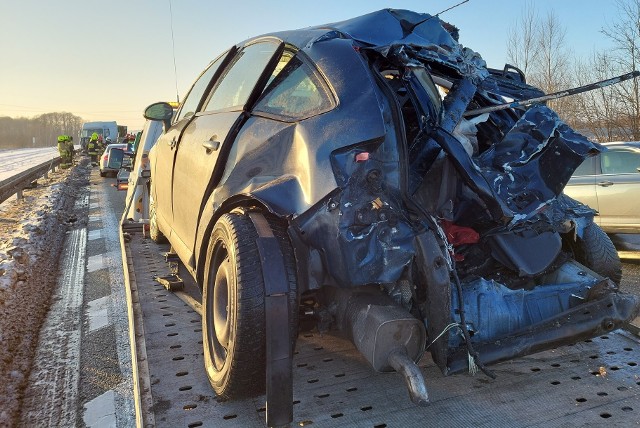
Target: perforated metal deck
x=592 y=383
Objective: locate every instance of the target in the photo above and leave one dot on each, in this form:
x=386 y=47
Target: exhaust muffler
x=389 y=337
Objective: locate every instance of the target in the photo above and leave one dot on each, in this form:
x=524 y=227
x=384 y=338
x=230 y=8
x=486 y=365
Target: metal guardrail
x=15 y=185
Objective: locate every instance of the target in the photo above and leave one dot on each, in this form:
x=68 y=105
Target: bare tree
x=537 y=46
x=522 y=49
x=596 y=111
x=624 y=32
x=20 y=132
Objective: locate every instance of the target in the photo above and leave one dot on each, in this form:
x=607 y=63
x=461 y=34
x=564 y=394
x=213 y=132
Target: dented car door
x=207 y=137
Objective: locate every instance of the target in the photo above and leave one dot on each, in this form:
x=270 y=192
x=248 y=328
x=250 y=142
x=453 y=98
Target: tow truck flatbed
x=591 y=383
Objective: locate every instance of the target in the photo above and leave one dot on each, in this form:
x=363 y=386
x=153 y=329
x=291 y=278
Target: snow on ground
x=32 y=233
x=14 y=161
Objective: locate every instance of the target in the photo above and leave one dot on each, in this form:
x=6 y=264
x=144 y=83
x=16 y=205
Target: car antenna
x=448 y=9
x=173 y=44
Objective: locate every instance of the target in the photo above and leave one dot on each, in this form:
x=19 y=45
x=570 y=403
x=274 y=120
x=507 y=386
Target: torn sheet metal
x=534 y=161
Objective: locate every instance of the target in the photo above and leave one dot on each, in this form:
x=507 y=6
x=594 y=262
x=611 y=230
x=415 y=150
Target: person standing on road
x=65 y=156
x=92 y=149
x=100 y=146
x=70 y=148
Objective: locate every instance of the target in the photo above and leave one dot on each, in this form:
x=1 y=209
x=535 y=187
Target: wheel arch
x=210 y=217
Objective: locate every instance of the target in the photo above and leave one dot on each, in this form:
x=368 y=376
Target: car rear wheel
x=154 y=231
x=596 y=251
x=233 y=322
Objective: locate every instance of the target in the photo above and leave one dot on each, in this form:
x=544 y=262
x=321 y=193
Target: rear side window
x=587 y=167
x=620 y=162
x=295 y=93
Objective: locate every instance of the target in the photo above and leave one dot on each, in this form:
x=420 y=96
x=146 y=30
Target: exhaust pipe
x=400 y=361
x=390 y=338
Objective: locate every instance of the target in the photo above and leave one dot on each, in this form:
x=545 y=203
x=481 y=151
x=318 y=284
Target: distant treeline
x=45 y=128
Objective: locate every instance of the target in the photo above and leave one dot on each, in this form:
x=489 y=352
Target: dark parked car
x=341 y=172
x=610 y=184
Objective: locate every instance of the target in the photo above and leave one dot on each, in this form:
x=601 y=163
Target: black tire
x=233 y=322
x=596 y=251
x=154 y=231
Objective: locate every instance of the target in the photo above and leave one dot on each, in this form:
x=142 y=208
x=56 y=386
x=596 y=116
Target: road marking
x=118 y=316
x=95 y=263
x=95 y=234
x=94 y=218
x=98 y=313
x=101 y=411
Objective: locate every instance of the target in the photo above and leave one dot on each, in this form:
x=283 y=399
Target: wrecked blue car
x=343 y=177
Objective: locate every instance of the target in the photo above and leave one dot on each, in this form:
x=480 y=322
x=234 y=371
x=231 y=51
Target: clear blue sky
x=107 y=60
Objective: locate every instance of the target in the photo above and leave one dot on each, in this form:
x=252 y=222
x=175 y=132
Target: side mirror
x=161 y=111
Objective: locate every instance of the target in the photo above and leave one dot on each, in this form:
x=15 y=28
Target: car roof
x=623 y=143
x=116 y=145
x=387 y=27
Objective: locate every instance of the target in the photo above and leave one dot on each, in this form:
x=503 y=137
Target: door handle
x=173 y=142
x=211 y=145
x=605 y=183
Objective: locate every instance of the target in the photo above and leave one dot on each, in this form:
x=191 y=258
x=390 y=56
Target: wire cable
x=173 y=44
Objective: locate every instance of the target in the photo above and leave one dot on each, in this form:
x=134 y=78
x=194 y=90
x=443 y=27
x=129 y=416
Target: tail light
x=105 y=158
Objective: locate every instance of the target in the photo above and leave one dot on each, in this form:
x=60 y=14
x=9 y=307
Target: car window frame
x=260 y=83
x=226 y=57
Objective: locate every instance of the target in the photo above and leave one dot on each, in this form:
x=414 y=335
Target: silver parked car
x=106 y=161
x=610 y=184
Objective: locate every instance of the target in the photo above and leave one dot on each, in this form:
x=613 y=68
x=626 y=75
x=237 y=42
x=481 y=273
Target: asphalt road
x=82 y=372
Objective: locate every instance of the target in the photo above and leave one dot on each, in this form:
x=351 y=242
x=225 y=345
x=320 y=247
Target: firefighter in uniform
x=101 y=146
x=70 y=148
x=65 y=156
x=92 y=149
